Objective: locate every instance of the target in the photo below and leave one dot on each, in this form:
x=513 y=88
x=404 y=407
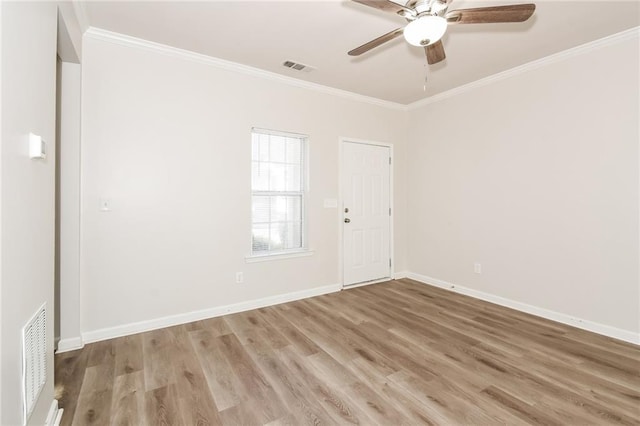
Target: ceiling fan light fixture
x=425 y=30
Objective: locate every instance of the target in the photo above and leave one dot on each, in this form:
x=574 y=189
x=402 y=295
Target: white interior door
x=366 y=212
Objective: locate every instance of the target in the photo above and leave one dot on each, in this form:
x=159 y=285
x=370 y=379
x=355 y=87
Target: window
x=278 y=174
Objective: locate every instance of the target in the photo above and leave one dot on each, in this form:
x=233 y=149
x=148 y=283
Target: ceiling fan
x=428 y=21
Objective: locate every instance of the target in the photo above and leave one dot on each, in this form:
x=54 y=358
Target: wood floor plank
x=161 y=406
x=157 y=346
x=260 y=394
x=335 y=400
x=448 y=403
x=195 y=401
x=604 y=391
x=101 y=353
x=216 y=326
x=94 y=401
x=362 y=348
x=242 y=414
x=323 y=365
x=330 y=343
x=288 y=420
x=375 y=406
x=70 y=368
x=129 y=356
x=224 y=385
x=128 y=401
x=244 y=322
x=392 y=353
x=300 y=403
x=394 y=395
x=520 y=408
x=302 y=343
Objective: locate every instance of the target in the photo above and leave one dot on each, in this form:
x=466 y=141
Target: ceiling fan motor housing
x=425 y=30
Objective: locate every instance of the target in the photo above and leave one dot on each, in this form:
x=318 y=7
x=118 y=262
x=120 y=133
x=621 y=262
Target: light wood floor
x=392 y=353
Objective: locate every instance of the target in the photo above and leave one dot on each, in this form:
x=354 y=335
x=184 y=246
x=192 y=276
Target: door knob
x=347 y=220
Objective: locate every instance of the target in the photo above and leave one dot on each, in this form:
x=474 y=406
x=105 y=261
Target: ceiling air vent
x=297 y=66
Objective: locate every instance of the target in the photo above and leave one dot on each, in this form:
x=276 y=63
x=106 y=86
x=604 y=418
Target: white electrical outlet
x=105 y=204
x=477 y=268
x=239 y=277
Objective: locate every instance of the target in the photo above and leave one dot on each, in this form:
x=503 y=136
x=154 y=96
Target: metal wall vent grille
x=34 y=365
x=297 y=66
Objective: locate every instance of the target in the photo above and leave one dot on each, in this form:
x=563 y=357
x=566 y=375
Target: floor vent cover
x=34 y=366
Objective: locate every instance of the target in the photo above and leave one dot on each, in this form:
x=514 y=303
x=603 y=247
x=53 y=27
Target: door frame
x=342 y=140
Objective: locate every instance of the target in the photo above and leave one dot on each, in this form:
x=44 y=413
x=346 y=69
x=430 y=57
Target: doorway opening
x=67 y=195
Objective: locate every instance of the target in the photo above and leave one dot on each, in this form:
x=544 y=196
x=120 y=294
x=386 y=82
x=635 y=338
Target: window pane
x=263 y=149
x=293 y=150
x=260 y=209
x=293 y=235
x=277 y=183
x=293 y=182
x=260 y=176
x=278 y=209
x=255 y=146
x=276 y=235
x=260 y=238
x=277 y=149
x=277 y=177
x=294 y=208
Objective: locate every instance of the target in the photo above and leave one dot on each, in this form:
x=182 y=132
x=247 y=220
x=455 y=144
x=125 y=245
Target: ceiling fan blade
x=376 y=42
x=435 y=52
x=387 y=6
x=494 y=14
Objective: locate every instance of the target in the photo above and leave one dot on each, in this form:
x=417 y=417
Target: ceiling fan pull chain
x=426 y=79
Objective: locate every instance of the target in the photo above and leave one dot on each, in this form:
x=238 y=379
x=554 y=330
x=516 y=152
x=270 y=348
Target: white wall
x=69 y=205
x=167 y=141
x=536 y=178
x=26 y=192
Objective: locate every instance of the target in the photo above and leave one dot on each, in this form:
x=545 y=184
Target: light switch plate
x=36 y=147
x=330 y=203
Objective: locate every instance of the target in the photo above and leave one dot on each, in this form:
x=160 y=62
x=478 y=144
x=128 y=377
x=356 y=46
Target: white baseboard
x=605 y=330
x=58 y=418
x=400 y=275
x=71 y=344
x=382 y=280
x=168 y=321
x=55 y=414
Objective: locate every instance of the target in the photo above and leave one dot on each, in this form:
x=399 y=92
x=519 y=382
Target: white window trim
x=304 y=250
x=291 y=254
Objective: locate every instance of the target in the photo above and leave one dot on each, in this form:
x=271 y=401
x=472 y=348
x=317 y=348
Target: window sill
x=277 y=256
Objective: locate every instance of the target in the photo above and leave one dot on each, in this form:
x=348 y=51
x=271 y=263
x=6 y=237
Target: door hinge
x=389 y=160
x=389 y=211
x=389 y=263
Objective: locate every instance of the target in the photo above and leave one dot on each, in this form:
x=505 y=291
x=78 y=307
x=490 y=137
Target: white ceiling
x=263 y=34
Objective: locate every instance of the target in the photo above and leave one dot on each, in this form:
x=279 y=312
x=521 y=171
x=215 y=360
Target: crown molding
x=125 y=40
x=529 y=66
